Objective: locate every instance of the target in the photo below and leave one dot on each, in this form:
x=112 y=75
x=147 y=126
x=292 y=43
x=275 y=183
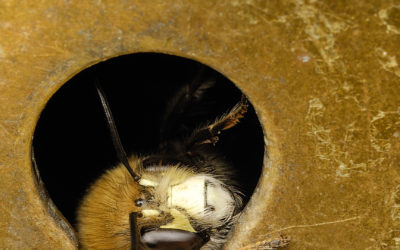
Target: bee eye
x=139 y=202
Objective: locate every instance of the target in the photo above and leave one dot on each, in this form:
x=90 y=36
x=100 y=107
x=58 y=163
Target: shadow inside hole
x=72 y=144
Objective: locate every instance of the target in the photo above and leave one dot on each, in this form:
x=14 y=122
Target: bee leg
x=209 y=134
x=182 y=103
x=35 y=167
x=273 y=244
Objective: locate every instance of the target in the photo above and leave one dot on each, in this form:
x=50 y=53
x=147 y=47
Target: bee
x=183 y=196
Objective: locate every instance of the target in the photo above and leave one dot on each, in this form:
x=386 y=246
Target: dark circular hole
x=72 y=144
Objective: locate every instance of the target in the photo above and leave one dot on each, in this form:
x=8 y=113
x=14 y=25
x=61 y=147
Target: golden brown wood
x=323 y=76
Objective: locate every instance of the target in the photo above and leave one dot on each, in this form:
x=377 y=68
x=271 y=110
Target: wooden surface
x=323 y=76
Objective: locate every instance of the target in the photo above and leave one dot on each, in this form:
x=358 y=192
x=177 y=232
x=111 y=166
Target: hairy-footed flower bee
x=181 y=197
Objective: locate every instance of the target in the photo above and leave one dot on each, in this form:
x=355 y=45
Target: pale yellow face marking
x=147 y=183
x=195 y=195
x=189 y=195
x=150 y=212
x=199 y=192
x=180 y=222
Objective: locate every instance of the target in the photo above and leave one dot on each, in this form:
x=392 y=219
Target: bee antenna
x=114 y=132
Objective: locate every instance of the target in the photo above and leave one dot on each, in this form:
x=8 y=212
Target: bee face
x=199 y=197
x=175 y=201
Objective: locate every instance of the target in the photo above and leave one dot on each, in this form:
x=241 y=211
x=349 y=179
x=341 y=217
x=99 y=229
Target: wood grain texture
x=323 y=76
